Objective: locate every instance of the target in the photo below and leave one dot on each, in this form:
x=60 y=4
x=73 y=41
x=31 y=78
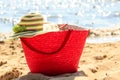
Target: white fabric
x=50 y=27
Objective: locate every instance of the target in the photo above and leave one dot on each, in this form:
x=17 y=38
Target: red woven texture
x=54 y=53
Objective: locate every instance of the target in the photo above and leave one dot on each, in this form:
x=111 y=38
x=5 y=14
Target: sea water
x=84 y=13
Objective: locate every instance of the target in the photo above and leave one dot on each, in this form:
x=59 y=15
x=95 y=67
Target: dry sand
x=99 y=61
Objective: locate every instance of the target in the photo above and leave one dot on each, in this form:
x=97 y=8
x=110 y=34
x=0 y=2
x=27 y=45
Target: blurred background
x=85 y=13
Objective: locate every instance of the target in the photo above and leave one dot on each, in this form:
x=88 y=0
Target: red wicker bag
x=54 y=53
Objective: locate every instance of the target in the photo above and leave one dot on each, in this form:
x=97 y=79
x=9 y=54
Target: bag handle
x=59 y=49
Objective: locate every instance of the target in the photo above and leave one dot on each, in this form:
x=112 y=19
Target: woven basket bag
x=54 y=53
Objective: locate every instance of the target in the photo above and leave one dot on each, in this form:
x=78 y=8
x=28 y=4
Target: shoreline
x=101 y=32
x=105 y=39
x=99 y=35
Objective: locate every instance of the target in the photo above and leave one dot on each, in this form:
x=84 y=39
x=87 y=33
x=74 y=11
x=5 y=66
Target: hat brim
x=26 y=34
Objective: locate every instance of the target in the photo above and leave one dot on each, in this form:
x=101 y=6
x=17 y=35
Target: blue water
x=85 y=13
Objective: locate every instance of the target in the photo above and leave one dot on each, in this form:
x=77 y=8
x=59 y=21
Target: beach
x=100 y=58
x=99 y=61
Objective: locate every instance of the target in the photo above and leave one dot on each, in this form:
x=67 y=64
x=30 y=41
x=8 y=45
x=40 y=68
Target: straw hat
x=33 y=24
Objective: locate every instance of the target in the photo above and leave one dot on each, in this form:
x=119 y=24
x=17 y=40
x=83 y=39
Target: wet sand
x=99 y=61
x=112 y=31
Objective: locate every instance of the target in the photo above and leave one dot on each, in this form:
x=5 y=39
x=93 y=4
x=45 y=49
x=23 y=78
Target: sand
x=99 y=61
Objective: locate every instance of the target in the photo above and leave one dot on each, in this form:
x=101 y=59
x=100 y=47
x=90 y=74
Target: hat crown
x=31 y=19
x=33 y=15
